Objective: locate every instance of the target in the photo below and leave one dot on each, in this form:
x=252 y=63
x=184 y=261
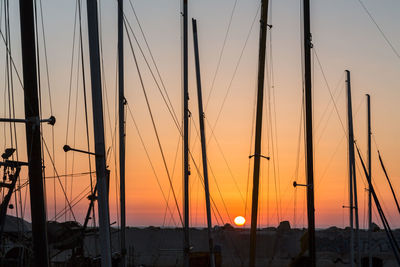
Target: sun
x=240 y=220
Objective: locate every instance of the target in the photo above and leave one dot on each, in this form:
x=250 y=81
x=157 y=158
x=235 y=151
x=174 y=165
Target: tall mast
x=351 y=162
x=121 y=111
x=257 y=146
x=98 y=127
x=369 y=180
x=309 y=133
x=33 y=142
x=186 y=246
x=203 y=142
x=352 y=177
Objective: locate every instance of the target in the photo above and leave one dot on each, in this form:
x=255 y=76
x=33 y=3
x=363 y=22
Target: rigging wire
x=328 y=87
x=78 y=174
x=39 y=85
x=58 y=178
x=173 y=172
x=150 y=162
x=153 y=123
x=85 y=105
x=296 y=172
x=250 y=150
x=49 y=94
x=226 y=162
x=12 y=60
x=235 y=71
x=199 y=173
x=74 y=132
x=170 y=108
x=221 y=53
x=70 y=89
x=273 y=126
x=111 y=148
x=379 y=29
x=154 y=63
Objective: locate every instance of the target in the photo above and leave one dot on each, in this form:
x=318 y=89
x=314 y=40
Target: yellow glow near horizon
x=240 y=220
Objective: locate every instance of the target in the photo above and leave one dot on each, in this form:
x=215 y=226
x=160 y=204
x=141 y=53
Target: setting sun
x=240 y=220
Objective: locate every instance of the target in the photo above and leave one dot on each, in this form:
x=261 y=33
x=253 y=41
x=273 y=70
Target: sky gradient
x=344 y=37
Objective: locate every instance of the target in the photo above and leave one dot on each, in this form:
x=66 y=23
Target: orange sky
x=343 y=37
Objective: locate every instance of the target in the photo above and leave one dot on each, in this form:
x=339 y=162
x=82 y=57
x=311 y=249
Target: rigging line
x=226 y=162
x=48 y=87
x=379 y=29
x=201 y=178
x=70 y=89
x=104 y=86
x=1 y=15
x=39 y=85
x=111 y=148
x=71 y=174
x=153 y=60
x=173 y=172
x=151 y=163
x=234 y=73
x=12 y=60
x=274 y=148
x=83 y=194
x=296 y=172
x=85 y=96
x=211 y=197
x=326 y=123
x=126 y=21
x=209 y=164
x=45 y=56
x=336 y=95
x=376 y=189
x=272 y=81
x=221 y=53
x=218 y=189
x=59 y=180
x=73 y=202
x=170 y=109
x=328 y=87
x=379 y=195
x=74 y=131
x=48 y=79
x=154 y=126
x=388 y=179
x=8 y=84
x=116 y=176
x=321 y=177
x=19 y=188
x=385 y=223
x=250 y=149
x=10 y=80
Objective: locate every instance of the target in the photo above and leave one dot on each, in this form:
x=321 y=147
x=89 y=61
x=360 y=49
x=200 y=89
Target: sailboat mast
x=121 y=115
x=203 y=143
x=369 y=180
x=258 y=132
x=33 y=138
x=309 y=133
x=186 y=249
x=352 y=177
x=351 y=145
x=98 y=127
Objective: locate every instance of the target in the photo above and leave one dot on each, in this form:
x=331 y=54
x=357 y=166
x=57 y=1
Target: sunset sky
x=344 y=37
